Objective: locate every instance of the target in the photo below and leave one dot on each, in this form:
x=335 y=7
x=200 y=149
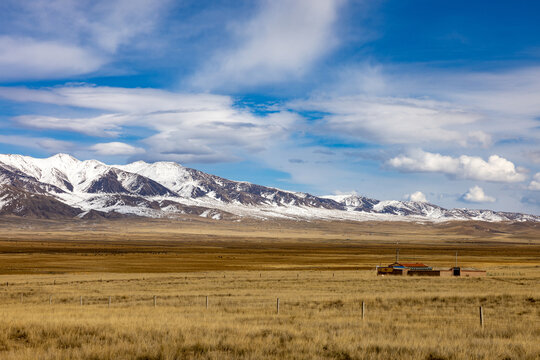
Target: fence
x=221 y=303
x=347 y=295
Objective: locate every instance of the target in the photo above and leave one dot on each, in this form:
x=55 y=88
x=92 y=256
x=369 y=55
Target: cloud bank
x=496 y=168
x=394 y=120
x=186 y=127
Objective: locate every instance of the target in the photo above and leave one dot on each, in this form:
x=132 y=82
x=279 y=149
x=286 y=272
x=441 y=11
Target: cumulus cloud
x=496 y=168
x=416 y=196
x=535 y=183
x=393 y=120
x=476 y=195
x=182 y=127
x=116 y=148
x=282 y=40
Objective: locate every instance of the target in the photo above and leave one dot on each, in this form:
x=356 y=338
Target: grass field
x=321 y=272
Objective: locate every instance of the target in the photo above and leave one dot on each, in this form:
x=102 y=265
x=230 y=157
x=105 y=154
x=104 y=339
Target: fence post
x=277 y=305
x=481 y=317
x=21 y=298
x=109 y=301
x=154 y=300
x=81 y=300
x=50 y=299
x=207 y=301
x=363 y=310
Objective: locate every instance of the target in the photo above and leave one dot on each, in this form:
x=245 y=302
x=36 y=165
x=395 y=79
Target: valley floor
x=85 y=290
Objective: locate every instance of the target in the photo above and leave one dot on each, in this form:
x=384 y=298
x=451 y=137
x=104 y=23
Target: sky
x=422 y=100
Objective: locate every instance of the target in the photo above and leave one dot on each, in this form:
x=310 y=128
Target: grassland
x=321 y=272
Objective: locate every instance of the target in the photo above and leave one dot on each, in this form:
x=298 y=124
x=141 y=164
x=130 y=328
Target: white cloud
x=115 y=23
x=44 y=39
x=184 y=127
x=25 y=58
x=281 y=41
x=116 y=148
x=121 y=100
x=496 y=169
x=39 y=143
x=416 y=196
x=502 y=105
x=513 y=92
x=535 y=183
x=103 y=125
x=476 y=195
x=396 y=120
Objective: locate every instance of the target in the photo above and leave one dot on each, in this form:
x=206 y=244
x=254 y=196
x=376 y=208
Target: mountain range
x=63 y=187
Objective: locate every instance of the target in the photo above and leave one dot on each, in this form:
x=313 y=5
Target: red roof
x=412 y=264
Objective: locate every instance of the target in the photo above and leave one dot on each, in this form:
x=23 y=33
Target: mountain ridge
x=91 y=189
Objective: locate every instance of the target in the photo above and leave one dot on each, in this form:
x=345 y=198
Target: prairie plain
x=85 y=290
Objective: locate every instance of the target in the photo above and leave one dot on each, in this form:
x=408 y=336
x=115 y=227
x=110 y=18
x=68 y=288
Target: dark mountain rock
x=116 y=181
x=108 y=184
x=251 y=194
x=17 y=201
x=18 y=179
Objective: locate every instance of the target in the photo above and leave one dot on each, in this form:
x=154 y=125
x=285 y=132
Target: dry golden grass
x=318 y=270
x=320 y=316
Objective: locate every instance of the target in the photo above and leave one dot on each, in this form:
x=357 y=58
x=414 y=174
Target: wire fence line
x=361 y=310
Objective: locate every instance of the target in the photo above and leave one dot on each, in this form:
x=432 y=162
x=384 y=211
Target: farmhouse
x=399 y=268
x=419 y=269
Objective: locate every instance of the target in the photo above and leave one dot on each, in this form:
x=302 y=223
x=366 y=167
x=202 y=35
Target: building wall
x=424 y=273
x=445 y=273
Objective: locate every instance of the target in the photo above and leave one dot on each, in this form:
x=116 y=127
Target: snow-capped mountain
x=62 y=186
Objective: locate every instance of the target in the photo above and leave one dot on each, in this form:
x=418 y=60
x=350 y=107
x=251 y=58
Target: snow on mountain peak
x=169 y=174
x=64 y=157
x=161 y=188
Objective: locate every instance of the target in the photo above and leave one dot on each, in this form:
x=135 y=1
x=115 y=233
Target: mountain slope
x=193 y=183
x=65 y=187
x=17 y=201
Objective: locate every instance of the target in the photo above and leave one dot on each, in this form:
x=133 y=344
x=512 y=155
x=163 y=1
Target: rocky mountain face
x=20 y=202
x=62 y=186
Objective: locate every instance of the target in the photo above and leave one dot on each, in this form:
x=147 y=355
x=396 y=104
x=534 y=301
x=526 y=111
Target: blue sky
x=423 y=100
